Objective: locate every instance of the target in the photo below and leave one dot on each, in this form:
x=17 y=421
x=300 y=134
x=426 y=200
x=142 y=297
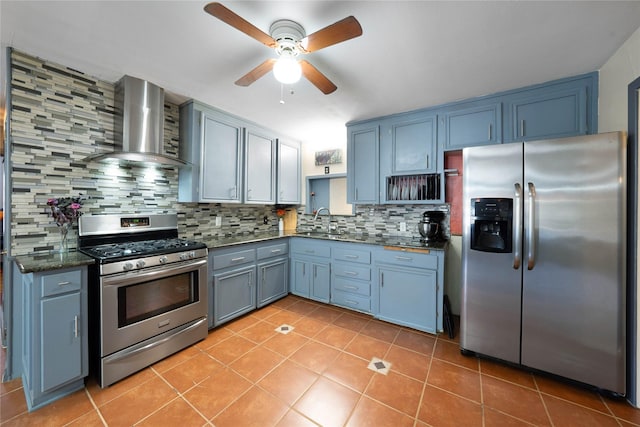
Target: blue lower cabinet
x=410 y=286
x=55 y=345
x=310 y=269
x=272 y=280
x=234 y=293
x=408 y=297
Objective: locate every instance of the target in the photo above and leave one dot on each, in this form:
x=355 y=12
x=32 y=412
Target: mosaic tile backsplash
x=59 y=116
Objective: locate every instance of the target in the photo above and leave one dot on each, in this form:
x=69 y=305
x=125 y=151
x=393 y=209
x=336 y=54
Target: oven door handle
x=137 y=276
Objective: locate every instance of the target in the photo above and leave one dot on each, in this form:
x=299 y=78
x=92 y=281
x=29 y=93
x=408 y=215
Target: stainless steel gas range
x=147 y=291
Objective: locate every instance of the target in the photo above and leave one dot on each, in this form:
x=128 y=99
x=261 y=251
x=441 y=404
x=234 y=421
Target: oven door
x=141 y=304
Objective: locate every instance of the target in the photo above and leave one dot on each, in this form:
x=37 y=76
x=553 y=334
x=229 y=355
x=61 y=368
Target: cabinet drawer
x=311 y=249
x=352 y=286
x=233 y=258
x=279 y=249
x=58 y=283
x=352 y=255
x=352 y=271
x=414 y=259
x=357 y=302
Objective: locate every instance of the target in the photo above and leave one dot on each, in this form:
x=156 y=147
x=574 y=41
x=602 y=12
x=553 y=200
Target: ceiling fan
x=289 y=40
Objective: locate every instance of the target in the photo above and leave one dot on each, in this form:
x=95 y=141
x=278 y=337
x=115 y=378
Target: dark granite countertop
x=45 y=261
x=394 y=241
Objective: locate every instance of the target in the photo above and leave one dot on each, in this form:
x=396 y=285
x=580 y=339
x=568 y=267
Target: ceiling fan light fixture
x=287 y=70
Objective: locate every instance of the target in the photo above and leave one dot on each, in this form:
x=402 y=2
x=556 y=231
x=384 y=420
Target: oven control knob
x=162 y=260
x=192 y=254
x=183 y=257
x=127 y=266
x=140 y=263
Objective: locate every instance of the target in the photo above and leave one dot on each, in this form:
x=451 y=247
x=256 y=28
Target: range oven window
x=148 y=299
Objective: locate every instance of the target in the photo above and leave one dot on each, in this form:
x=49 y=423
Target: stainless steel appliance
x=147 y=291
x=544 y=241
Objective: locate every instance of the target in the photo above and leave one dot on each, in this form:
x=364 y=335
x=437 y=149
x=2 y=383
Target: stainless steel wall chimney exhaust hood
x=139 y=124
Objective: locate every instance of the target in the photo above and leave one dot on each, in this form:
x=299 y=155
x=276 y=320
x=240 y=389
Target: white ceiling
x=412 y=54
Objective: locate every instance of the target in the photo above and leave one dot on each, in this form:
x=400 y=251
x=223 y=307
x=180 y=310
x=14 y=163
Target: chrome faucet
x=329 y=213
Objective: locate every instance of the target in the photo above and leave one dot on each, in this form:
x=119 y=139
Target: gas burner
x=117 y=251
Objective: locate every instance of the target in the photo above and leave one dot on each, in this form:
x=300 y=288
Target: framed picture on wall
x=328 y=157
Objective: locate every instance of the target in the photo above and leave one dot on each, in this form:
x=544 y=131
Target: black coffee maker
x=430 y=227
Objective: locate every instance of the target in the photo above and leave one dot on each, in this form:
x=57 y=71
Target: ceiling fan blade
x=340 y=31
x=318 y=79
x=222 y=13
x=256 y=73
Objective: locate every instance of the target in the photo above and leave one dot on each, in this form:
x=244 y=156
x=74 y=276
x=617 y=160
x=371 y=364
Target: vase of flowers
x=281 y=213
x=64 y=211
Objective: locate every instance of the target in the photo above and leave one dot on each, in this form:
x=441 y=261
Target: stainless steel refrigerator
x=543 y=258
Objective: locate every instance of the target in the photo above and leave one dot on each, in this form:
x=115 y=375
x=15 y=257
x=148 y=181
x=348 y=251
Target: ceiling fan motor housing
x=288 y=34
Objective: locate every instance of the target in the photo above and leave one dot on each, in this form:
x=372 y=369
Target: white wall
x=309 y=167
x=615 y=75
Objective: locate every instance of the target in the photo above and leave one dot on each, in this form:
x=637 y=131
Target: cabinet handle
x=351 y=273
x=404 y=258
x=351 y=256
x=522 y=127
x=237 y=259
x=310 y=251
x=64 y=283
x=351 y=287
x=352 y=302
x=75 y=326
x=276 y=251
x=382 y=280
x=356 y=193
x=489 y=132
x=304 y=269
x=315 y=271
x=427 y=161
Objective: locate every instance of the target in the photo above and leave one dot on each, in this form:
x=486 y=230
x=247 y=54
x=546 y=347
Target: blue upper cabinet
x=471 y=124
x=363 y=142
x=413 y=144
x=289 y=172
x=562 y=108
x=549 y=115
x=260 y=158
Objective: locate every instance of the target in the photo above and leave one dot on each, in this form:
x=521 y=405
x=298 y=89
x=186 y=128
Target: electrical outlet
x=265 y=220
x=403 y=226
x=218 y=221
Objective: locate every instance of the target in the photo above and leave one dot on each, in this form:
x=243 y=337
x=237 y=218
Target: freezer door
x=574 y=249
x=491 y=281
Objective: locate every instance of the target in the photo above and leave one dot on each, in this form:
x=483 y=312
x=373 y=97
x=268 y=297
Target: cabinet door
x=472 y=126
x=414 y=145
x=220 y=177
x=234 y=293
x=320 y=282
x=289 y=173
x=272 y=281
x=61 y=340
x=551 y=115
x=300 y=284
x=260 y=168
x=363 y=164
x=408 y=297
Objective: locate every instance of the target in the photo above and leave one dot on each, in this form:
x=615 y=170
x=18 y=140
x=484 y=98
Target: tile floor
x=248 y=374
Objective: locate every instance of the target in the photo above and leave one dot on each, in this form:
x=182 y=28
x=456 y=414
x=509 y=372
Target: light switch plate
x=218 y=221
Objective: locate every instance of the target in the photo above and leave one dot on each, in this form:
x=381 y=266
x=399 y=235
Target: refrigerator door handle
x=517 y=225
x=531 y=251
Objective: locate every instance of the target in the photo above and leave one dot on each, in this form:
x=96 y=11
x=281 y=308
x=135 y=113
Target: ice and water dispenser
x=491 y=225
